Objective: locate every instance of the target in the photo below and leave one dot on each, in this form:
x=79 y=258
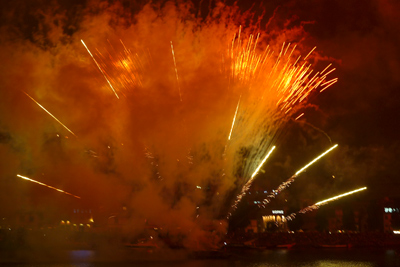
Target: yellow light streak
x=312 y=50
x=328 y=84
x=327 y=67
x=314 y=160
x=263 y=161
x=287 y=183
x=298 y=117
x=101 y=70
x=51 y=114
x=339 y=196
x=34 y=181
x=234 y=118
x=318 y=204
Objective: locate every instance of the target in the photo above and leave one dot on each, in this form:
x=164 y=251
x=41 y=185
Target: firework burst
x=201 y=106
x=270 y=90
x=288 y=182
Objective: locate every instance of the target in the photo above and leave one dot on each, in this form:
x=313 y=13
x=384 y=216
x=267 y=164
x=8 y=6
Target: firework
x=250 y=181
x=324 y=202
x=48 y=186
x=233 y=121
x=272 y=90
x=50 y=114
x=287 y=183
x=123 y=70
x=101 y=69
x=262 y=162
x=298 y=117
x=314 y=160
x=231 y=81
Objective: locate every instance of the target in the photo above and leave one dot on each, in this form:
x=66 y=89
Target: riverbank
x=315 y=239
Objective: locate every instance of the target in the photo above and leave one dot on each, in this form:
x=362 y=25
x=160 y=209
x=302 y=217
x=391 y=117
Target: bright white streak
x=317 y=158
x=339 y=196
x=101 y=70
x=262 y=163
x=34 y=181
x=50 y=114
x=234 y=118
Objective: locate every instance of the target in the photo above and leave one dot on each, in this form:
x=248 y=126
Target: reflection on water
x=81 y=255
x=268 y=258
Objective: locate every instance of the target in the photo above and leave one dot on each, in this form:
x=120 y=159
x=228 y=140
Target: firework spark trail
x=176 y=71
x=249 y=182
x=101 y=70
x=324 y=202
x=234 y=119
x=51 y=114
x=314 y=160
x=287 y=183
x=298 y=117
x=37 y=182
x=132 y=69
x=124 y=70
x=262 y=163
x=284 y=86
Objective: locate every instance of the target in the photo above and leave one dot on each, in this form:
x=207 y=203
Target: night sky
x=42 y=55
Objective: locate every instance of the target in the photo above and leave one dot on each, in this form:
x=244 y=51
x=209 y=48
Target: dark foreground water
x=267 y=258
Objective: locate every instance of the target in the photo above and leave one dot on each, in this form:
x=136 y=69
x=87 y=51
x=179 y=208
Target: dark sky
x=42 y=55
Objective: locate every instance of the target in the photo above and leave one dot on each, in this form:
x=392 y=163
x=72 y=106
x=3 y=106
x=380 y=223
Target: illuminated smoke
x=156 y=142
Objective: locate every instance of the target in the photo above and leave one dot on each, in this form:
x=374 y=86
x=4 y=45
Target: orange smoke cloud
x=161 y=147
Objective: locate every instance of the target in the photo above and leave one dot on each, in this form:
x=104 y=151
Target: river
x=267 y=258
